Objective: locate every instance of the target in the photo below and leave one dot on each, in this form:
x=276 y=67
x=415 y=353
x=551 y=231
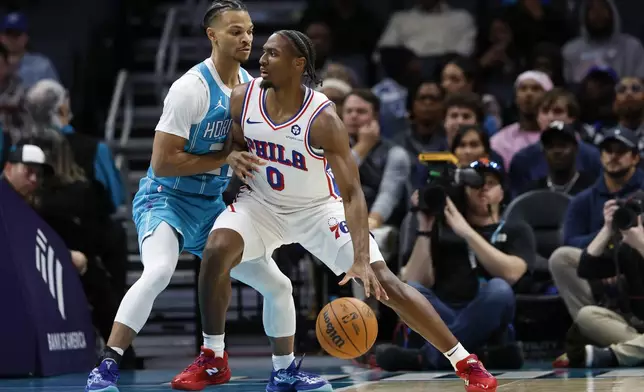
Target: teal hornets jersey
x=206 y=135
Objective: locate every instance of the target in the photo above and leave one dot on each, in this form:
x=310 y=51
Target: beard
x=618 y=174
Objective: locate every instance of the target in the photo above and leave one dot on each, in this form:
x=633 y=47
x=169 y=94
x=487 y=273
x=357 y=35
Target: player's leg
x=159 y=255
x=233 y=236
x=328 y=239
x=419 y=314
x=279 y=324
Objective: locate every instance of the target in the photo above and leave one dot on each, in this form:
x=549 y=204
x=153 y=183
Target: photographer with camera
x=465 y=262
x=584 y=220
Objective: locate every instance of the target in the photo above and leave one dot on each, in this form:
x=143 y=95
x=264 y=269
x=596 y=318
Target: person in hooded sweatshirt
x=602 y=44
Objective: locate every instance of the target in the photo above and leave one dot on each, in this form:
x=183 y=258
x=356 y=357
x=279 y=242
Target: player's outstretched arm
x=186 y=104
x=328 y=133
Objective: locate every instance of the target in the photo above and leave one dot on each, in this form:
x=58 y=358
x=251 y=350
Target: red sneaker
x=477 y=378
x=205 y=370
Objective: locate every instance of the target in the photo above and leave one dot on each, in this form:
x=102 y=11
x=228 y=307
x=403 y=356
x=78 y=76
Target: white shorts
x=321 y=230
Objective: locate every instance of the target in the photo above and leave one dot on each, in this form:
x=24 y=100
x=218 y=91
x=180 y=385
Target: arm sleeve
x=186 y=104
x=393 y=182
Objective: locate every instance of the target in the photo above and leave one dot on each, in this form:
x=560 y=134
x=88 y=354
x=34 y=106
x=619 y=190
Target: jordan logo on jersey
x=217 y=129
x=220 y=105
x=277 y=153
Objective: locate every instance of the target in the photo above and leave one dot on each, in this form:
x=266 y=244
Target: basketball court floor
x=347 y=378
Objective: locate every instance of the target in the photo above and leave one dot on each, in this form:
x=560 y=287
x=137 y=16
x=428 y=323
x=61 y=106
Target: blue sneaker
x=104 y=377
x=292 y=379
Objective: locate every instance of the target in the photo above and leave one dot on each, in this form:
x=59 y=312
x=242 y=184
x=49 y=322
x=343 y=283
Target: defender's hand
x=364 y=274
x=244 y=164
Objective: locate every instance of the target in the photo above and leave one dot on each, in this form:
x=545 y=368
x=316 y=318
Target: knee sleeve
x=277 y=290
x=159 y=255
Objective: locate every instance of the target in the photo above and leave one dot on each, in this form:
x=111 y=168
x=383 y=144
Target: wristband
x=420 y=233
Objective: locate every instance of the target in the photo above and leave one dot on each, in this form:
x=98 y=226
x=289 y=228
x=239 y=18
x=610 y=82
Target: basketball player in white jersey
x=295 y=198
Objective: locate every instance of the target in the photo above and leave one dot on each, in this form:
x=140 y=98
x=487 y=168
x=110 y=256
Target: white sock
x=119 y=351
x=456 y=354
x=282 y=361
x=215 y=343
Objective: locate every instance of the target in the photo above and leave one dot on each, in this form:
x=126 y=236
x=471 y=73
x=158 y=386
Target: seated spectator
x=531 y=163
x=425 y=132
x=32 y=67
x=336 y=90
x=470 y=144
x=617 y=331
x=628 y=106
x=596 y=98
x=530 y=87
x=459 y=75
x=384 y=167
x=585 y=220
x=465 y=264
x=48 y=103
x=431 y=28
x=602 y=43
x=402 y=70
x=12 y=91
x=561 y=149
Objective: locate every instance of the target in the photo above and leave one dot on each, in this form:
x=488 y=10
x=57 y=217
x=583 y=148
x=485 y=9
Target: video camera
x=628 y=210
x=443 y=177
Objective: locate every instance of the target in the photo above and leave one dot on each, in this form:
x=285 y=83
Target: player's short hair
x=366 y=95
x=219 y=6
x=304 y=48
x=467 y=100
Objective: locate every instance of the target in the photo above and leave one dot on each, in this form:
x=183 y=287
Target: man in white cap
x=529 y=88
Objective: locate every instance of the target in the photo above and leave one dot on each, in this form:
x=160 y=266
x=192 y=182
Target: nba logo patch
x=295 y=129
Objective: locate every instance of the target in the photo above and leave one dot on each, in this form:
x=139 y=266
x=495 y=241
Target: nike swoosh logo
x=452 y=353
x=252 y=122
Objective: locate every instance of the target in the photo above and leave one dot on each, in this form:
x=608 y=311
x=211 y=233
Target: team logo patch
x=296 y=130
x=338 y=228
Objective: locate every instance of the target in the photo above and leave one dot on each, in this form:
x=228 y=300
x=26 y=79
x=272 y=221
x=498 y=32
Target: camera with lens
x=443 y=178
x=628 y=210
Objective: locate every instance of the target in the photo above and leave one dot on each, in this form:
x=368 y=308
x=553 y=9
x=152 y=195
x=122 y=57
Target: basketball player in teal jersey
x=181 y=195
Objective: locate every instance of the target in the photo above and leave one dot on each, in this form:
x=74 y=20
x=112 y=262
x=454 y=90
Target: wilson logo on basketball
x=331 y=332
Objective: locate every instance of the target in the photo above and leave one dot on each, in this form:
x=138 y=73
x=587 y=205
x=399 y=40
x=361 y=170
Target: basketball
x=346 y=328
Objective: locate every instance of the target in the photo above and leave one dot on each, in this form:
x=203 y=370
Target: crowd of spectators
x=516 y=96
x=533 y=106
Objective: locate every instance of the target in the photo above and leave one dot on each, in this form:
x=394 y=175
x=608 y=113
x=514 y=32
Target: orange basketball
x=346 y=328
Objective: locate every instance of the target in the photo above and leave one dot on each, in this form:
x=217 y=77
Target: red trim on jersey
x=232 y=207
x=249 y=89
x=305 y=105
x=329 y=181
x=307 y=145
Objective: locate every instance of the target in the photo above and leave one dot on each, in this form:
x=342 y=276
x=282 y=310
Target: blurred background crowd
x=544 y=99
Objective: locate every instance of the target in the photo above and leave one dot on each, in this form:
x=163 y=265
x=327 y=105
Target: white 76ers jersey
x=296 y=176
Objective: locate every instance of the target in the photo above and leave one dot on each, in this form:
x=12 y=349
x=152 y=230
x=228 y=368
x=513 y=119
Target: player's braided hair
x=304 y=48
x=219 y=6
